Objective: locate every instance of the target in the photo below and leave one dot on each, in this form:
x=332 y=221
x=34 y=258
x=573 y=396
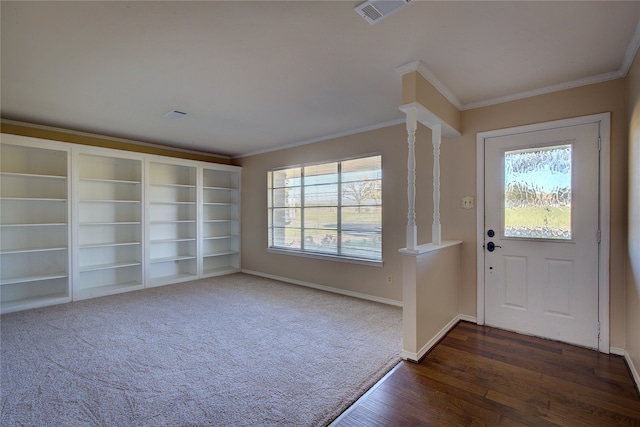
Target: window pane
x=366 y=219
x=537 y=193
x=321 y=195
x=285 y=197
x=286 y=238
x=362 y=232
x=321 y=174
x=321 y=218
x=325 y=240
x=286 y=177
x=362 y=169
x=362 y=244
x=362 y=192
x=287 y=217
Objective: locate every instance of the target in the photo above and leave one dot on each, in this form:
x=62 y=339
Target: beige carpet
x=228 y=351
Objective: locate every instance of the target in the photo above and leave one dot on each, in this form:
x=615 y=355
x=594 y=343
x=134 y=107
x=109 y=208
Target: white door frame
x=604 y=120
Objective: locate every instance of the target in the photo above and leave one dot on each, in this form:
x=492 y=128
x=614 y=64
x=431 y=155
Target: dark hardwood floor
x=486 y=376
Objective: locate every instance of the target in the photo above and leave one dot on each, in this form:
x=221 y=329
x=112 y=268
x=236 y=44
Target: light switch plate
x=468 y=202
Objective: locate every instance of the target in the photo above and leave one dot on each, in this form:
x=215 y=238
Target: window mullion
x=272 y=226
x=302 y=206
x=339 y=198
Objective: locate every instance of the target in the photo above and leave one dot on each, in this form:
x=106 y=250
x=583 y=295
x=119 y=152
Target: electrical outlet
x=389 y=279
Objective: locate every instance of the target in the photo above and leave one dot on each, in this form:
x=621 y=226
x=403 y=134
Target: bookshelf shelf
x=35 y=231
x=172 y=221
x=109 y=222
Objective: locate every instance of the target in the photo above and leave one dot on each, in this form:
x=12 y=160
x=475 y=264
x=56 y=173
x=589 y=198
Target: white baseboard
x=467 y=318
x=627 y=357
x=632 y=368
x=415 y=357
x=617 y=351
x=326 y=288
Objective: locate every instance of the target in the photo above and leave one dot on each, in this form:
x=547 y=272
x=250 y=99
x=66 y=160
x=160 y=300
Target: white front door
x=541 y=233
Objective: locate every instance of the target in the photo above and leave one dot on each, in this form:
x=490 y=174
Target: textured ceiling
x=253 y=76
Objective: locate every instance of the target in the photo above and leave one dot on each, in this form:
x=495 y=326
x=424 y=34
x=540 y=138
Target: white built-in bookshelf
x=108 y=221
x=34 y=228
x=172 y=222
x=79 y=222
x=220 y=221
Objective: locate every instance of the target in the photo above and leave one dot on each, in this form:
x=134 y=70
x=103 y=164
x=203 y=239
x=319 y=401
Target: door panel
x=558 y=290
x=515 y=282
x=541 y=201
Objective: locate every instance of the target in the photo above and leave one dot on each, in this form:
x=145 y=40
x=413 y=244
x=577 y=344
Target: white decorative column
x=412 y=229
x=431 y=271
x=436 y=139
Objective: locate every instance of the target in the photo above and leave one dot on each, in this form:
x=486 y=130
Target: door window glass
x=537 y=193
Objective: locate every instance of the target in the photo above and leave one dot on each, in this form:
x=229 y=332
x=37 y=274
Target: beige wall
x=458 y=178
x=430 y=295
x=391 y=142
x=436 y=299
x=632 y=344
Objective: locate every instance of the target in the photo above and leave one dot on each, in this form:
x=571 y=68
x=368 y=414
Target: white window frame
x=338 y=256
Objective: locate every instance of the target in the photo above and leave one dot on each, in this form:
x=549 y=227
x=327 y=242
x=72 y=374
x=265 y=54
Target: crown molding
x=544 y=90
x=632 y=50
x=325 y=138
x=440 y=87
x=431 y=78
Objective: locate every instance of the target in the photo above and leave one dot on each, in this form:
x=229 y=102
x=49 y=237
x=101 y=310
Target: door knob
x=492 y=246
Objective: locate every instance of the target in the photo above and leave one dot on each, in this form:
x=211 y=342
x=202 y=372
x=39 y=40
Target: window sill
x=326 y=257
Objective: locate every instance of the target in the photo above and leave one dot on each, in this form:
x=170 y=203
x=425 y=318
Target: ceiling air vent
x=376 y=10
x=175 y=114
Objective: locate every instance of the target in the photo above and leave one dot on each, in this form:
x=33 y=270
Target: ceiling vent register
x=376 y=10
x=175 y=114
